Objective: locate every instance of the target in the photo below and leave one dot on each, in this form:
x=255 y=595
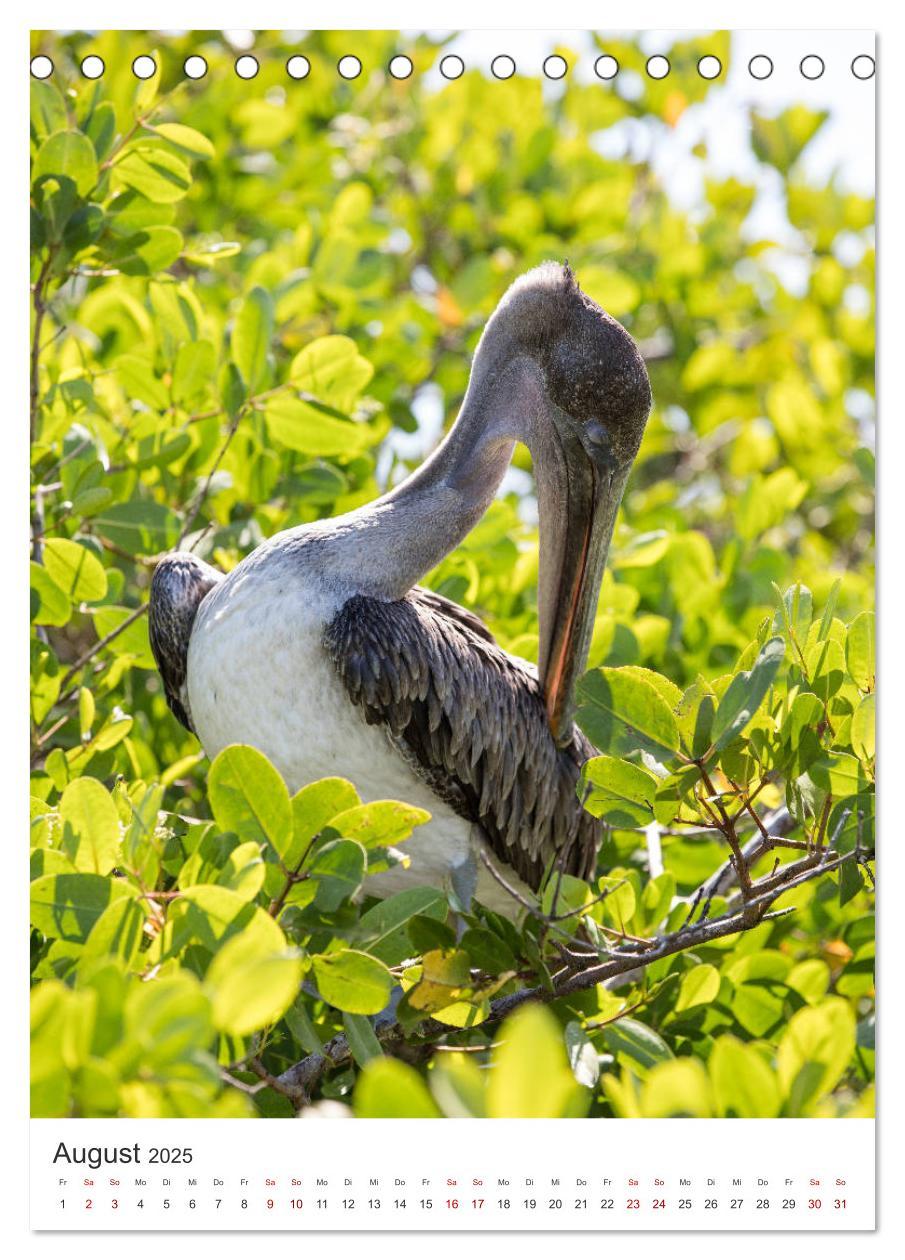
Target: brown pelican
x=321 y=650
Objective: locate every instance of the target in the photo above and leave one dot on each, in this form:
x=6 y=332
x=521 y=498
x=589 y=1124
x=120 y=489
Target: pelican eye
x=596 y=433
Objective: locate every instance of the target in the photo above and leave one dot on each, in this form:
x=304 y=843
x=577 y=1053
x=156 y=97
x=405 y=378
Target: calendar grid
x=556 y=1175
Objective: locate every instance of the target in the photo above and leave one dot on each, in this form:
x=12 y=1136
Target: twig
x=196 y=505
x=100 y=645
x=728 y=830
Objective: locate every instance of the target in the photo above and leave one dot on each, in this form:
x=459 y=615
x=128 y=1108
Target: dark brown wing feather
x=471 y=720
x=179 y=584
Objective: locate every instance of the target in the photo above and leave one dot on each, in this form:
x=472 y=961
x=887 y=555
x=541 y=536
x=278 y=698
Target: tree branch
x=299 y=1082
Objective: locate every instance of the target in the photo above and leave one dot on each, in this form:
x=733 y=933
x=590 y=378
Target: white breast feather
x=258 y=674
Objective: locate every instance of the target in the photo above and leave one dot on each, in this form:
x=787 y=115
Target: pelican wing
x=179 y=584
x=471 y=720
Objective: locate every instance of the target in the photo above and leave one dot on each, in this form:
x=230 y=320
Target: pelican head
x=555 y=371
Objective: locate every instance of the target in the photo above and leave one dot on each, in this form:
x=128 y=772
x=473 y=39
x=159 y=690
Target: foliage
x=246 y=296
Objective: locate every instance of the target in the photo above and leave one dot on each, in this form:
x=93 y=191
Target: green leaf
x=839 y=773
x=47 y=110
x=139 y=526
x=381 y=823
x=339 y=869
x=743 y=1084
x=136 y=376
x=69 y=154
x=825 y=666
x=243 y=870
x=75 y=569
x=678 y=1088
x=694 y=716
x=46 y=677
x=758 y=1006
x=332 y=370
x=745 y=694
x=118 y=933
x=101 y=128
x=185 y=138
x=780 y=140
x=487 y=951
x=796 y=611
x=91 y=830
x=313 y=806
x=233 y=393
x=382 y=929
x=67 y=907
x=814 y=1051
x=863 y=728
x=133 y=642
x=352 y=981
x=859 y=651
x=621 y=712
x=251 y=336
x=49 y=605
x=154 y=172
x=619 y=791
x=388 y=1088
x=150 y=251
x=211 y=915
x=302 y=1027
x=810 y=978
x=459 y=1086
x=635 y=1042
x=799 y=730
x=203 y=255
x=698 y=988
x=147 y=89
x=194 y=370
x=361 y=1038
x=248 y=796
x=169 y=1021
x=531 y=1075
x=250 y=990
x=310 y=428
x=583 y=1058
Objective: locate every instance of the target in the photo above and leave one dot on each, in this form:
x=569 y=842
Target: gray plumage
x=471 y=719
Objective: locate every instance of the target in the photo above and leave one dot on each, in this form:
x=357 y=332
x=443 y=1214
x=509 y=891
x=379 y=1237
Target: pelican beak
x=578 y=500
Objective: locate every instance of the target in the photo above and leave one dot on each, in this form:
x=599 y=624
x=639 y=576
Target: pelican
x=321 y=650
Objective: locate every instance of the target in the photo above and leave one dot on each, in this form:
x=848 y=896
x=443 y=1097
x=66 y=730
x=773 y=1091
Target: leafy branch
x=299 y=1082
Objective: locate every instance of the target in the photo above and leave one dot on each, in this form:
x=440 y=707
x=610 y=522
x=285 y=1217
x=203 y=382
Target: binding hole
x=606 y=67
x=194 y=67
x=298 y=67
x=812 y=66
x=247 y=66
x=760 y=67
x=349 y=67
x=657 y=67
x=41 y=67
x=144 y=67
x=401 y=67
x=710 y=67
x=452 y=67
x=92 y=67
x=864 y=67
x=555 y=67
x=502 y=67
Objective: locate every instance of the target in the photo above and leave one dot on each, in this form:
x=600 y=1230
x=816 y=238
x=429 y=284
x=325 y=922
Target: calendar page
x=452 y=632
